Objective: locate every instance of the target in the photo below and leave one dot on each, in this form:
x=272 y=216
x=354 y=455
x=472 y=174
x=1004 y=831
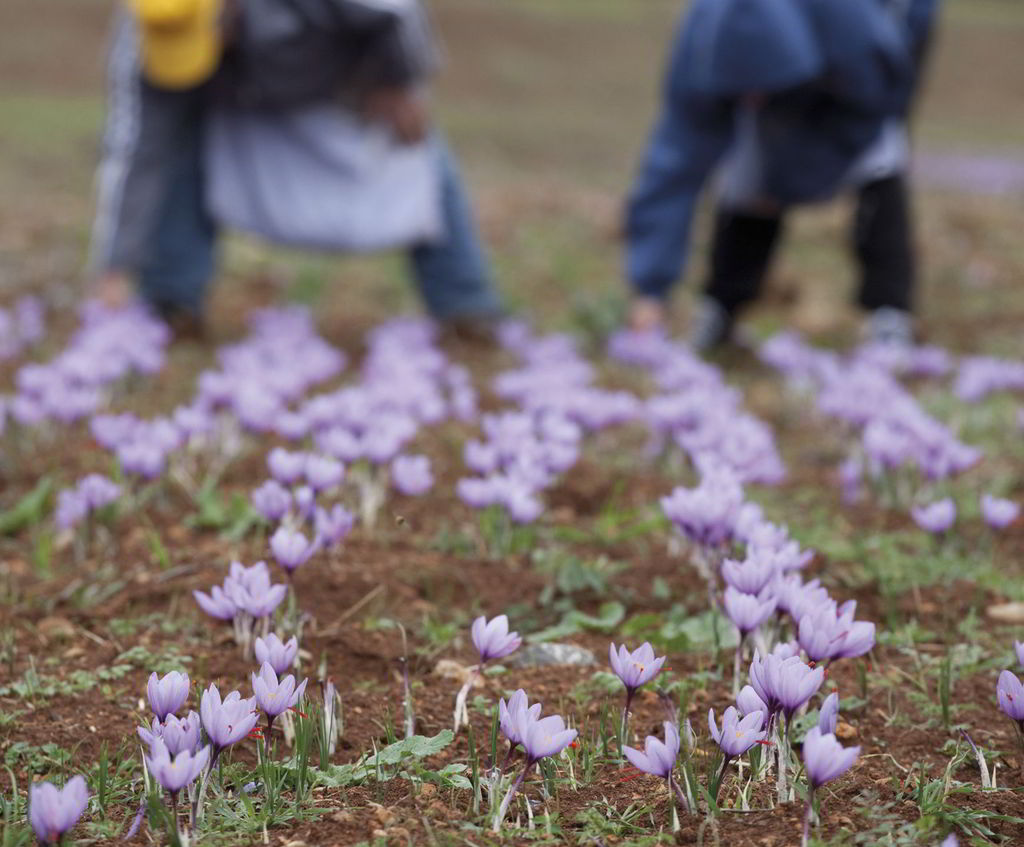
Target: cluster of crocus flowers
x=246 y=597
x=53 y=811
x=91 y=494
x=492 y=640
x=540 y=737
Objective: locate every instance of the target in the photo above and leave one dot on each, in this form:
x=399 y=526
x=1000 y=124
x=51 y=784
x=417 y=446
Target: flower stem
x=808 y=814
x=197 y=807
x=503 y=809
x=673 y=787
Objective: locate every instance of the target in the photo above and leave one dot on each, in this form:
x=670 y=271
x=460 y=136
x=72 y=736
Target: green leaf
x=28 y=510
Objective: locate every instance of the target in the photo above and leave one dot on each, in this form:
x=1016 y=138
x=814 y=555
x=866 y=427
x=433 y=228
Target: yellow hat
x=181 y=40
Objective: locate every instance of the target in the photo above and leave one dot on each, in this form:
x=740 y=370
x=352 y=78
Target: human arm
x=688 y=140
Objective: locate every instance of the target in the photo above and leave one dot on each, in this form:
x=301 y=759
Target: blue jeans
x=453 y=275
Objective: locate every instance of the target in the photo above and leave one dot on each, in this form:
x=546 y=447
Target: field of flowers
x=427 y=592
x=334 y=578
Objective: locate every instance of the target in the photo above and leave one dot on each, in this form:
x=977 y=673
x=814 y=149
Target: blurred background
x=548 y=104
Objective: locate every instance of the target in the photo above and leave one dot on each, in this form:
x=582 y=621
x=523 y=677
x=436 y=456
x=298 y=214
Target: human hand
x=646 y=314
x=404 y=110
x=114 y=289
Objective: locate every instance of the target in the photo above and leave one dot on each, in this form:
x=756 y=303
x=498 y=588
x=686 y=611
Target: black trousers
x=743 y=245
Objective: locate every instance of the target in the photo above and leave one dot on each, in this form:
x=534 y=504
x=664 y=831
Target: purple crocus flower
x=175 y=772
x=216 y=604
x=784 y=684
x=750 y=575
x=72 y=507
x=98 y=491
x=706 y=514
x=323 y=472
x=251 y=591
x=226 y=721
x=746 y=611
x=332 y=526
x=998 y=513
x=832 y=633
x=542 y=737
x=936 y=517
x=272 y=500
x=1010 y=695
x=278 y=654
x=177 y=733
x=168 y=694
x=305 y=502
x=492 y=638
x=411 y=475
x=291 y=548
x=1018 y=647
x=634 y=669
x=53 y=811
x=275 y=696
x=285 y=466
x=737 y=734
x=828 y=714
x=825 y=758
x=658 y=757
x=508 y=715
x=748 y=701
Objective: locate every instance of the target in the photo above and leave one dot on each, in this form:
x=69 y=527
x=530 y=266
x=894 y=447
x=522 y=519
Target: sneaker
x=889 y=326
x=710 y=327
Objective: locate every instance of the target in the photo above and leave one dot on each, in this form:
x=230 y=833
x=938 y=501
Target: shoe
x=889 y=326
x=185 y=324
x=711 y=326
x=477 y=330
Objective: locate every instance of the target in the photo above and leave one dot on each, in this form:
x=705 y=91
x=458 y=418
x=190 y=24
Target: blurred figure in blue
x=303 y=121
x=797 y=100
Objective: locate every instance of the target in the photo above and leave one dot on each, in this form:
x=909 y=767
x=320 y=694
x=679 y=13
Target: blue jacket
x=827 y=74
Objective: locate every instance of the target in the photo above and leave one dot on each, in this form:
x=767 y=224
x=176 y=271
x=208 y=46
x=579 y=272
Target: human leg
x=454 y=274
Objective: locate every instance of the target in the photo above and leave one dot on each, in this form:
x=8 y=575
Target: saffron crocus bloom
x=746 y=611
x=658 y=757
x=748 y=701
x=825 y=758
x=272 y=500
x=737 y=734
x=936 y=517
x=332 y=526
x=752 y=574
x=1010 y=694
x=175 y=772
x=634 y=669
x=828 y=714
x=492 y=638
x=1018 y=646
x=53 y=811
x=279 y=655
x=998 y=513
x=543 y=737
x=291 y=548
x=275 y=696
x=226 y=721
x=830 y=632
x=216 y=604
x=168 y=694
x=323 y=472
x=411 y=475
x=508 y=715
x=286 y=466
x=177 y=733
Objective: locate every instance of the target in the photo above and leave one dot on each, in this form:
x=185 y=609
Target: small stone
x=1006 y=612
x=55 y=628
x=845 y=732
x=449 y=669
x=539 y=655
x=342 y=817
